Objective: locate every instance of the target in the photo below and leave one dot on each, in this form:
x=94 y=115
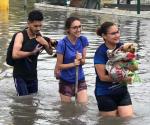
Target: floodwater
x=45 y=107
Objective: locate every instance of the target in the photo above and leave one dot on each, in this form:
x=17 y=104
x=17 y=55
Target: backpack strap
x=81 y=40
x=25 y=36
x=64 y=49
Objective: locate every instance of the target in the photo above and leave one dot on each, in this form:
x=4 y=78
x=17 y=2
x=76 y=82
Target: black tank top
x=26 y=68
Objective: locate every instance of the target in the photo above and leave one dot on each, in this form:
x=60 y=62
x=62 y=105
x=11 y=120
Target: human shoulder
x=102 y=47
x=21 y=37
x=84 y=40
x=62 y=41
x=61 y=46
x=22 y=33
x=19 y=34
x=83 y=37
x=18 y=37
x=100 y=54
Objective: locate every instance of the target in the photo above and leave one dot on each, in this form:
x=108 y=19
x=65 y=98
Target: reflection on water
x=45 y=107
x=23 y=110
x=71 y=113
x=109 y=121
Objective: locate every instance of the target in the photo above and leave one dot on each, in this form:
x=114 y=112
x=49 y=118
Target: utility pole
x=98 y=4
x=118 y=1
x=128 y=1
x=25 y=3
x=138 y=6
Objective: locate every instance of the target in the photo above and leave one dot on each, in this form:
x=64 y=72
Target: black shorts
x=111 y=102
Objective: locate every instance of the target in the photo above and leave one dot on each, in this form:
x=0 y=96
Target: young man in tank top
x=27 y=46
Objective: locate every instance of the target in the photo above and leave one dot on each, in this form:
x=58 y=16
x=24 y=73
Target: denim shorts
x=111 y=102
x=69 y=89
x=25 y=87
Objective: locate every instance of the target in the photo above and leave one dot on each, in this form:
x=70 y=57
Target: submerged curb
x=115 y=11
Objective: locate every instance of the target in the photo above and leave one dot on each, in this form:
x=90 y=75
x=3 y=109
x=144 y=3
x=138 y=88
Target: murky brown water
x=45 y=107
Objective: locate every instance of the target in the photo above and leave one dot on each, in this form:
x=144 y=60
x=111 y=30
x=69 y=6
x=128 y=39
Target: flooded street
x=45 y=107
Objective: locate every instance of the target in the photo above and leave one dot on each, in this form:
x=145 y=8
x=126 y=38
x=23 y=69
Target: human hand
x=57 y=74
x=37 y=49
x=38 y=34
x=76 y=62
x=128 y=80
x=78 y=56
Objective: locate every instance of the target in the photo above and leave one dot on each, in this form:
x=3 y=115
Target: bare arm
x=17 y=53
x=65 y=66
x=100 y=69
x=59 y=64
x=46 y=45
x=83 y=56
